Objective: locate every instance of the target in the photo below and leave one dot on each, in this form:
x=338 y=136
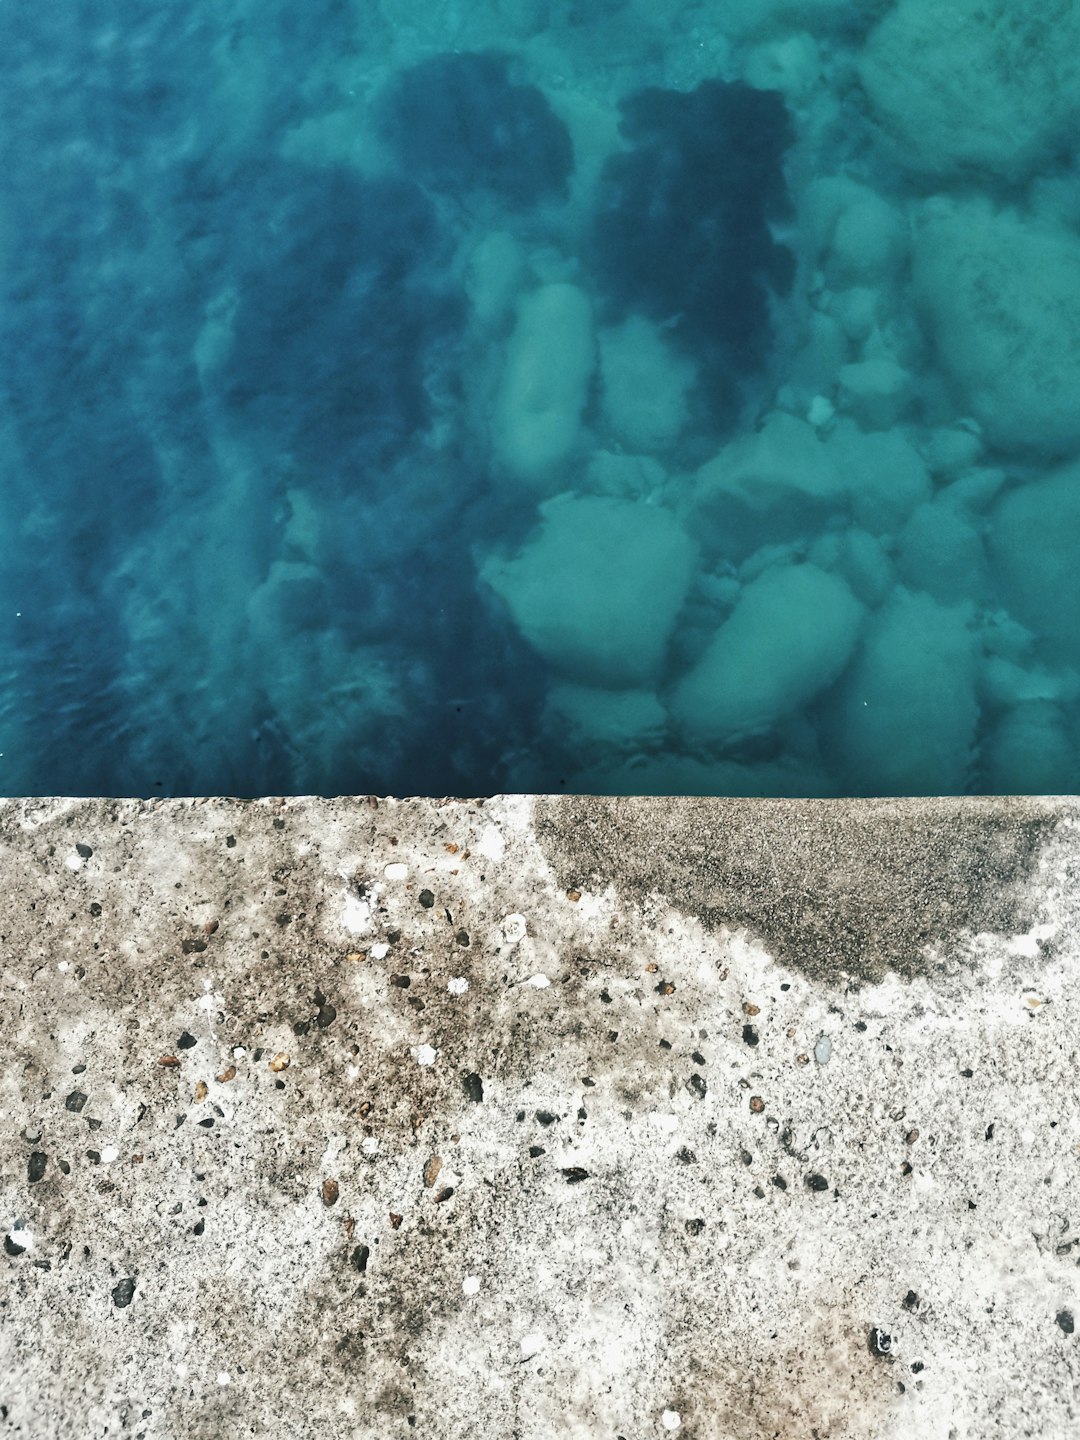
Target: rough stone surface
x=539 y=1118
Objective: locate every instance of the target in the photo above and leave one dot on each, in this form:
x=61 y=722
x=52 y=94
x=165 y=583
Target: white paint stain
x=458 y=985
x=379 y=951
x=356 y=916
x=369 y=1145
x=539 y=982
x=491 y=843
x=425 y=1054
x=108 y=1154
x=532 y=1344
x=396 y=870
x=471 y=1284
x=671 y=1420
x=224 y=1378
x=74 y=861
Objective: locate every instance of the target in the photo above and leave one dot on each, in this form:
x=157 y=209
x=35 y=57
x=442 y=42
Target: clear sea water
x=406 y=396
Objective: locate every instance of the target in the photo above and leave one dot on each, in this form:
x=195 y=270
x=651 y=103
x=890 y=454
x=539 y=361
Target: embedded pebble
x=823 y=1050
x=514 y=929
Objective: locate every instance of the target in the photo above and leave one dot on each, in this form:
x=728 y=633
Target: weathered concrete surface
x=540 y=1118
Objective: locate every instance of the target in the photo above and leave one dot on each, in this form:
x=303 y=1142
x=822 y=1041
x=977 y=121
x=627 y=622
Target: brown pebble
x=574 y=895
x=395 y=1221
x=200 y=1091
x=355 y=955
x=651 y=968
x=431 y=1170
x=170 y=1060
x=451 y=849
x=802 y=1059
x=791 y=1032
x=329 y=1192
x=227 y=1075
x=365 y=1109
x=749 y=1009
x=210 y=928
x=757 y=1104
x=444 y=1194
x=911 y=1136
x=279 y=1062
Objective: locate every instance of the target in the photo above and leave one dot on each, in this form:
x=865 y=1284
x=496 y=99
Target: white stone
x=598 y=587
x=549 y=363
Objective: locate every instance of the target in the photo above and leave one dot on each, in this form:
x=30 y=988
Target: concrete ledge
x=551 y=1117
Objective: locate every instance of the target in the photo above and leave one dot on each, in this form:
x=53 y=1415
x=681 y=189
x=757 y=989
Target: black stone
x=1065 y=1320
x=750 y=1035
x=575 y=1174
x=427 y=899
x=880 y=1343
x=75 y=1101
x=123 y=1293
x=35 y=1166
x=186 y=1041
x=698 y=1086
x=360 y=1257
x=817 y=1182
x=84 y=850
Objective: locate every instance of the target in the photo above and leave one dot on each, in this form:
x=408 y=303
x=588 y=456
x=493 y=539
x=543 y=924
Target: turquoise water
x=421 y=397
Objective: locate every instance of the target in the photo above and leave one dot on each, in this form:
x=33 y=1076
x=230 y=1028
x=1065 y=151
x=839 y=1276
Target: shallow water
x=533 y=395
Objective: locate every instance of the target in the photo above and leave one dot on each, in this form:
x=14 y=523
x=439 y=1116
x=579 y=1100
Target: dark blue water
x=399 y=398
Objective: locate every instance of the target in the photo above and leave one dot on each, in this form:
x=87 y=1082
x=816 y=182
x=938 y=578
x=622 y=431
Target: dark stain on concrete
x=843 y=891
